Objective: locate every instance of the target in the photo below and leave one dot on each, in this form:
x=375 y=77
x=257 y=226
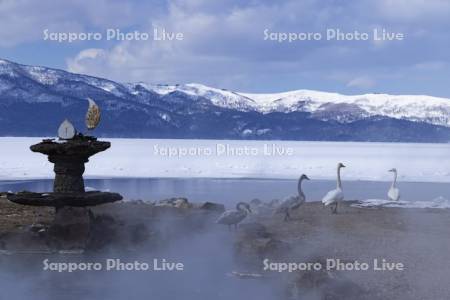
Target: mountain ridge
x=198 y=111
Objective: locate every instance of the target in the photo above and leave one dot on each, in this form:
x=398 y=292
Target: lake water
x=231 y=191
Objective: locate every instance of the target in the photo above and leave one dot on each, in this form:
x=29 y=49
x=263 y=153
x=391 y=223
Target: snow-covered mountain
x=219 y=97
x=34 y=100
x=323 y=105
x=420 y=108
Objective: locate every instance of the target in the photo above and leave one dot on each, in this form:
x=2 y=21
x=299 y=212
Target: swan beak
x=307 y=178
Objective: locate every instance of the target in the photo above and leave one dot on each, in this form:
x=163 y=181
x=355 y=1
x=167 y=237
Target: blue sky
x=224 y=44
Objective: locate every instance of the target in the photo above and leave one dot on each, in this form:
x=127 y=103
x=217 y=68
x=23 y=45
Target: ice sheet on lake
x=138 y=158
x=439 y=202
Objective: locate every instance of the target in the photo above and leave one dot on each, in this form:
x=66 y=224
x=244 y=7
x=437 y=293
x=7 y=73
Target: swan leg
x=335 y=208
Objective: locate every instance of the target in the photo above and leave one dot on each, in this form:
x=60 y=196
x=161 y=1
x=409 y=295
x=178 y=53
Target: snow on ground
x=439 y=202
x=238 y=159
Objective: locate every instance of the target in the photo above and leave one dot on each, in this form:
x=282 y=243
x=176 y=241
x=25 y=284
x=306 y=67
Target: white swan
x=233 y=217
x=292 y=202
x=259 y=207
x=394 y=192
x=334 y=196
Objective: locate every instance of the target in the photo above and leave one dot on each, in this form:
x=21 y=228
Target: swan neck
x=339 y=183
x=299 y=186
x=395 y=180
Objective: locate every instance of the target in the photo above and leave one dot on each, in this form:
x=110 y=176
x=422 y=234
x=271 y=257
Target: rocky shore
x=417 y=239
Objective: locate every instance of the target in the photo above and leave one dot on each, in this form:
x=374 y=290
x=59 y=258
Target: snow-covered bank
x=235 y=159
x=439 y=202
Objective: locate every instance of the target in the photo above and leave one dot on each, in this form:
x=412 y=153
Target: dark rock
x=104 y=231
x=25 y=241
x=178 y=202
x=173 y=200
x=323 y=284
x=139 y=234
x=255 y=202
x=255 y=242
x=213 y=207
x=37 y=228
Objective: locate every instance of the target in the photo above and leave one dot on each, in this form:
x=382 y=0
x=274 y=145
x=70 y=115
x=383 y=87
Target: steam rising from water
x=207 y=255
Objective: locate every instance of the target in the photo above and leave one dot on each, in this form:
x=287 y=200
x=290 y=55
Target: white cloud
x=431 y=66
x=224 y=44
x=25 y=20
x=412 y=10
x=363 y=82
x=86 y=60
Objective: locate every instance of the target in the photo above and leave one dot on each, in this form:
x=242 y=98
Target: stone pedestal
x=71 y=227
x=72 y=224
x=68 y=174
x=59 y=200
x=69 y=158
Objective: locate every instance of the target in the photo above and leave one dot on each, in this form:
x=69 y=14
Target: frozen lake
x=144 y=158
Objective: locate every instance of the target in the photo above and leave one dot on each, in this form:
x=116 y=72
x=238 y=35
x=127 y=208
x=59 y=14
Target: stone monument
x=69 y=154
